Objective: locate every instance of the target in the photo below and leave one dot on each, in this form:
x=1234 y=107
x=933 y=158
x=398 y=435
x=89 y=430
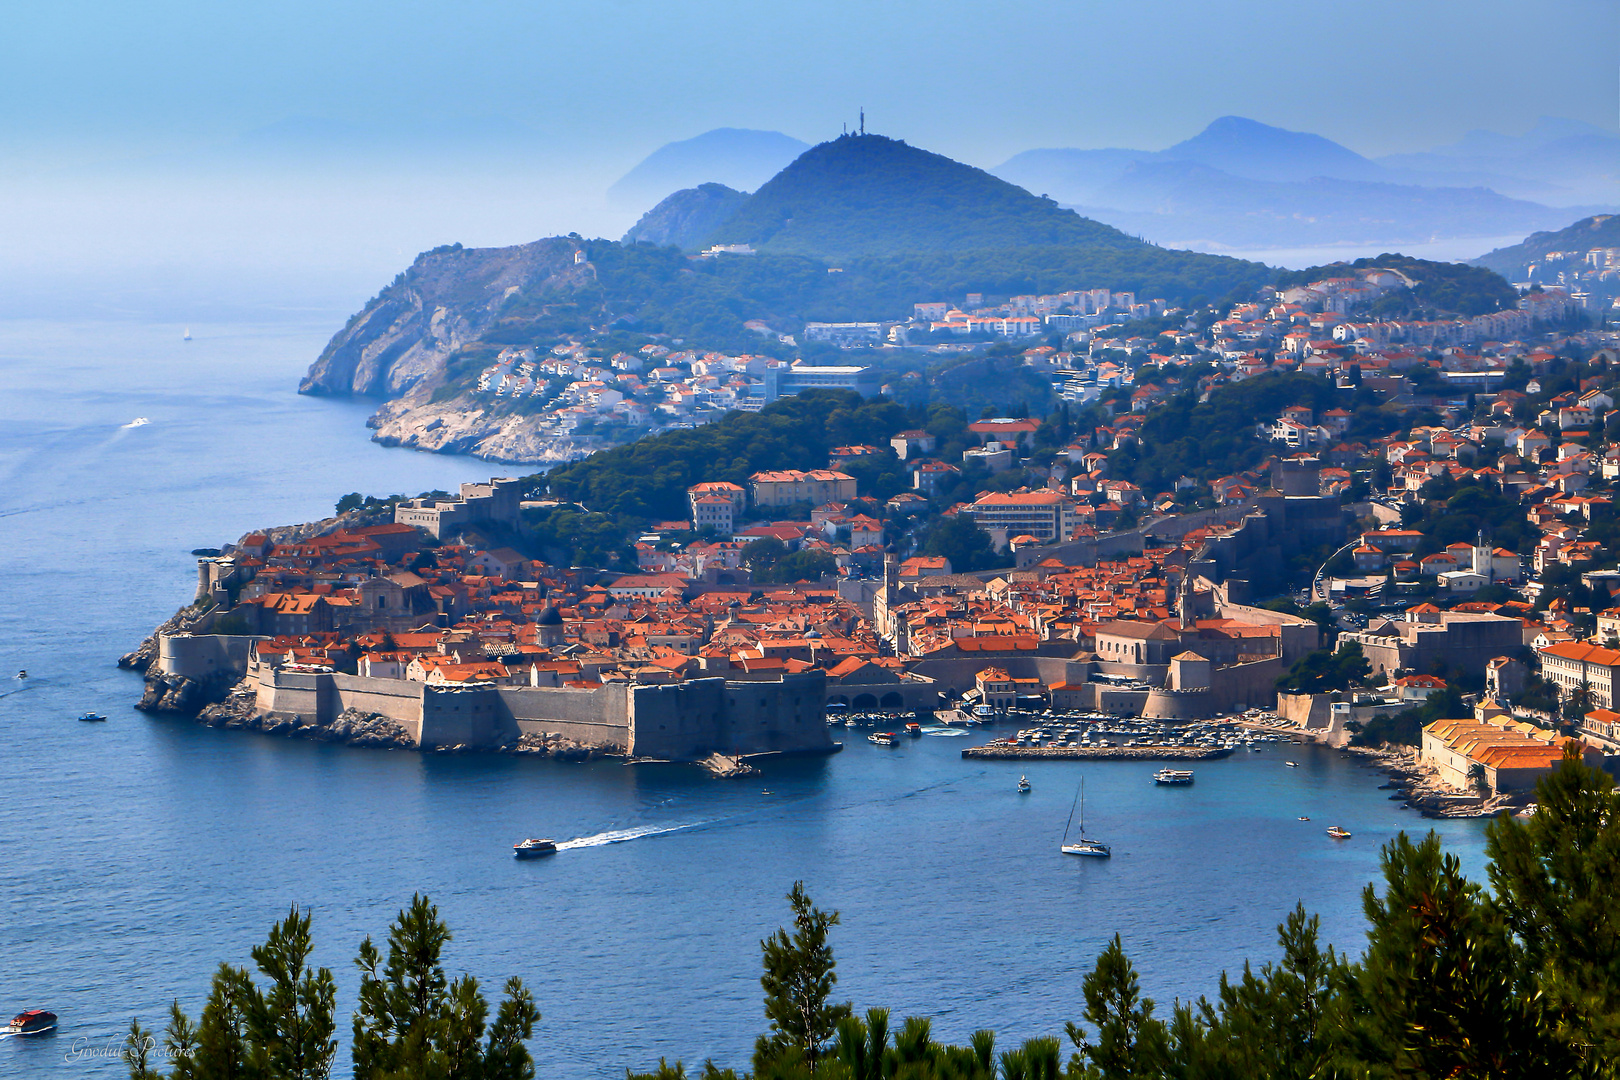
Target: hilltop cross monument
x=863 y=119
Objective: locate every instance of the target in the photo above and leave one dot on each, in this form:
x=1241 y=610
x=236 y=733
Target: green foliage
x=1439 y=991
x=1128 y=1042
x=352 y=501
x=798 y=980
x=566 y=535
x=960 y=540
x=1320 y=672
x=1215 y=438
x=412 y=1023
x=1554 y=876
x=282 y=1031
x=1442 y=288
x=868 y=195
x=1406 y=727
x=647 y=480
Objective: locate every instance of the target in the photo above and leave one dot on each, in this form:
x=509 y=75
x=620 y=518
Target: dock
x=995 y=752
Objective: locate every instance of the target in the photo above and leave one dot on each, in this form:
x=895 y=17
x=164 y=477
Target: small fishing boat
x=533 y=848
x=1292 y=764
x=32 y=1022
x=21 y=674
x=1023 y=785
x=1304 y=818
x=881 y=738
x=92 y=717
x=1338 y=833
x=1173 y=776
x=1095 y=849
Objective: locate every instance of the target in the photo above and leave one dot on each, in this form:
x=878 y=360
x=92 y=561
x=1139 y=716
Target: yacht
x=533 y=848
x=1023 y=785
x=1084 y=845
x=32 y=1022
x=1173 y=776
x=1338 y=833
x=92 y=716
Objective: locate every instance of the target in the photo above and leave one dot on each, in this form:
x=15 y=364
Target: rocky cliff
x=687 y=217
x=450 y=297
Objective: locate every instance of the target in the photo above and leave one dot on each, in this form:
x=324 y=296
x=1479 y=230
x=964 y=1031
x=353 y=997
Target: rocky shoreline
x=1416 y=786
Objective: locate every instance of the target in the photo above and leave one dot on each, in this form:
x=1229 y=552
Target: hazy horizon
x=167 y=158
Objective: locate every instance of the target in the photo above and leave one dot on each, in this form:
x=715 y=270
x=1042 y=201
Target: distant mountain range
x=736 y=157
x=1514 y=262
x=1243 y=184
x=1238 y=184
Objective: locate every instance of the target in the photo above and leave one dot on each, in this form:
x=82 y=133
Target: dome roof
x=549 y=616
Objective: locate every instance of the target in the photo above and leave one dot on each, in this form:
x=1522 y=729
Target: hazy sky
x=169 y=158
x=613 y=79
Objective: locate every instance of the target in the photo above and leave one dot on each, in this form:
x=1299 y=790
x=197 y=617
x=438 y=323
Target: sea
x=139 y=854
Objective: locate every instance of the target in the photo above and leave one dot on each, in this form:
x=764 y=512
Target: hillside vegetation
x=1443 y=288
x=1601 y=230
x=869 y=195
x=648 y=479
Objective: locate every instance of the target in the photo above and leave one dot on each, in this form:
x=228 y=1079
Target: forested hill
x=1602 y=230
x=869 y=195
x=1440 y=288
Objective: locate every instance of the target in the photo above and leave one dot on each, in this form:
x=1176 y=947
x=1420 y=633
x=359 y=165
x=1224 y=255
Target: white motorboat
x=1023 y=785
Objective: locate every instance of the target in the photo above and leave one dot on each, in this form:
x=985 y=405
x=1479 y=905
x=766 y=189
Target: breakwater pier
x=1006 y=752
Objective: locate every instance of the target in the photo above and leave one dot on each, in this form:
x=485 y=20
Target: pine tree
x=1439 y=992
x=1555 y=878
x=290 y=1024
x=414 y=1024
x=1129 y=1043
x=799 y=978
x=1270 y=1024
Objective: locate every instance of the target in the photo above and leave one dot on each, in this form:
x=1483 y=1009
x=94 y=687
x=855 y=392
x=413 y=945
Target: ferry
x=92 y=717
x=914 y=730
x=1338 y=833
x=32 y=1022
x=533 y=848
x=1023 y=785
x=882 y=738
x=1173 y=776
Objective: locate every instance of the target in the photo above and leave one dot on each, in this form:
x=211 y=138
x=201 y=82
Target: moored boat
x=1085 y=845
x=1338 y=833
x=1173 y=776
x=533 y=848
x=32 y=1022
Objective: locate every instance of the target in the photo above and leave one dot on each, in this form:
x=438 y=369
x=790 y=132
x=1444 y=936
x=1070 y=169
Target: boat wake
x=619 y=836
x=139 y=421
x=944 y=732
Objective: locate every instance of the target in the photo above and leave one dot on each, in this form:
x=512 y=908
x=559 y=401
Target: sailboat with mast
x=1096 y=849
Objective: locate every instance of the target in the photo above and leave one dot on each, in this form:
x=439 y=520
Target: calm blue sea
x=139 y=854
